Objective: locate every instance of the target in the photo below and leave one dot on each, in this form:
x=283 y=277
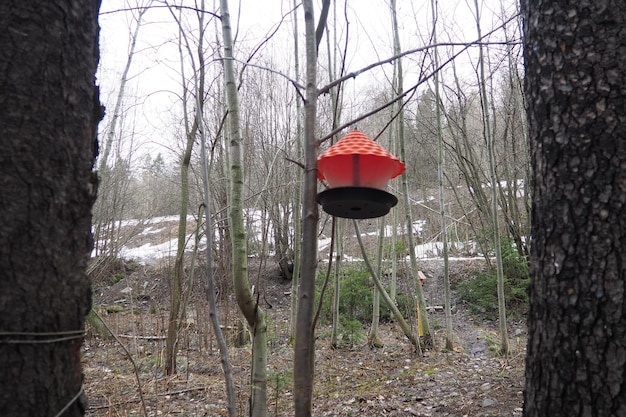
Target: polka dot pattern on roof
x=371 y=153
x=356 y=142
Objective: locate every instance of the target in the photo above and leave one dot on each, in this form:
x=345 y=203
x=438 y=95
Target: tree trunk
x=250 y=309
x=449 y=345
x=282 y=252
x=297 y=197
x=576 y=91
x=419 y=291
x=48 y=123
x=397 y=315
x=304 y=347
x=199 y=77
x=504 y=341
x=372 y=338
x=177 y=276
x=338 y=236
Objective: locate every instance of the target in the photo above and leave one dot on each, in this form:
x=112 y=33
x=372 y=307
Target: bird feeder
x=357 y=170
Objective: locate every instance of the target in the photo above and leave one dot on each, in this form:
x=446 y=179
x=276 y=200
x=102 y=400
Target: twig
x=128 y=336
x=134 y=400
x=101 y=407
x=130 y=357
x=182 y=391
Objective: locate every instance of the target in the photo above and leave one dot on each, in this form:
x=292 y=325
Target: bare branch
x=273 y=71
x=164 y=6
x=411 y=91
x=319 y=32
x=466 y=45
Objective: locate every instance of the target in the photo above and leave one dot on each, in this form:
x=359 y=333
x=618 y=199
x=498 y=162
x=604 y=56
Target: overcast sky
x=154 y=81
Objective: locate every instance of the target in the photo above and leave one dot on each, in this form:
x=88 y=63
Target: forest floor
x=470 y=380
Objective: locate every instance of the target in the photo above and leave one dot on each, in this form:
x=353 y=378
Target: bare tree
x=335 y=304
x=440 y=177
x=178 y=276
x=199 y=76
x=304 y=350
x=297 y=200
x=392 y=306
x=399 y=87
x=249 y=307
x=372 y=337
x=114 y=169
x=504 y=344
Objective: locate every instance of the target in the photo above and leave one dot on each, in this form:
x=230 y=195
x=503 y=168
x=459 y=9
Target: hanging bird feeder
x=357 y=170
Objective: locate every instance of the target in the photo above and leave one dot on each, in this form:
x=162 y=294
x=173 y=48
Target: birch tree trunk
x=419 y=291
x=504 y=340
x=250 y=309
x=442 y=200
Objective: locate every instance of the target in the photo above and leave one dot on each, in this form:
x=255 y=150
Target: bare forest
x=222 y=288
x=316 y=207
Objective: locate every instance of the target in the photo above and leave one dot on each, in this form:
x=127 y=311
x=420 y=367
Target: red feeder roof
x=375 y=166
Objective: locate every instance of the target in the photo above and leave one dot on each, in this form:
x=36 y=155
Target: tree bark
x=48 y=126
x=399 y=87
x=372 y=338
x=199 y=77
x=449 y=345
x=249 y=307
x=335 y=304
x=495 y=224
x=177 y=276
x=297 y=196
x=576 y=90
x=383 y=293
x=304 y=346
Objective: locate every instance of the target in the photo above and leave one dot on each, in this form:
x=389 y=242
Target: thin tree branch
x=411 y=90
x=321 y=24
x=130 y=358
x=165 y=6
x=478 y=42
x=327 y=279
x=273 y=71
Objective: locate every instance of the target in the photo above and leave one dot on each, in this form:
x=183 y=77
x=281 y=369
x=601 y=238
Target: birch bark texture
x=249 y=307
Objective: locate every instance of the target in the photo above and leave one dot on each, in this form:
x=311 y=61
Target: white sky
x=154 y=80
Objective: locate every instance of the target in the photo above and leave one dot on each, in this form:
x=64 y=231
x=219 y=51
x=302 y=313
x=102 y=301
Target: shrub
x=481 y=294
x=351 y=334
x=356 y=297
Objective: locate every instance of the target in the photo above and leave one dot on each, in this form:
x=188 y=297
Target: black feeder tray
x=356 y=202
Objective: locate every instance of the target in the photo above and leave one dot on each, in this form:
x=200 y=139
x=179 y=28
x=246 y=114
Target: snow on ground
x=151 y=253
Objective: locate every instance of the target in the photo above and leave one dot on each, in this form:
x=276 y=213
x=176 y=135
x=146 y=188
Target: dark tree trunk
x=49 y=111
x=576 y=87
x=281 y=242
